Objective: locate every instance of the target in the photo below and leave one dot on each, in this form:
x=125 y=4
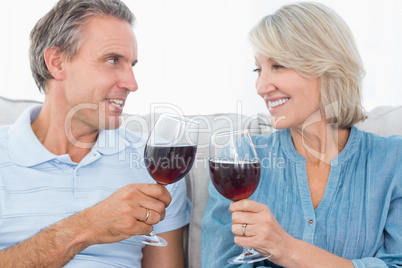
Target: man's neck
x=49 y=128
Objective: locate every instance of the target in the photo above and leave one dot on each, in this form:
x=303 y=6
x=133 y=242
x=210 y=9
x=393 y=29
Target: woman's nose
x=265 y=84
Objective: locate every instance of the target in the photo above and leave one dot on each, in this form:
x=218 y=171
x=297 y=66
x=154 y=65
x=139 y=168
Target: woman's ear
x=54 y=62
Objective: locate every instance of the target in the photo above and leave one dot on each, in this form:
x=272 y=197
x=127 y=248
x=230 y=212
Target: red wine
x=235 y=181
x=168 y=164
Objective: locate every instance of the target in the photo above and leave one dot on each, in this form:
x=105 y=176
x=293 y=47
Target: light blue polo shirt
x=38 y=188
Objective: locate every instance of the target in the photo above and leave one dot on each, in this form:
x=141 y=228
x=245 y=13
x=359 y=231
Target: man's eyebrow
x=113 y=54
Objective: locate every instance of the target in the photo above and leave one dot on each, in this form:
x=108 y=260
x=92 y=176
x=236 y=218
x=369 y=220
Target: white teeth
x=117 y=102
x=273 y=104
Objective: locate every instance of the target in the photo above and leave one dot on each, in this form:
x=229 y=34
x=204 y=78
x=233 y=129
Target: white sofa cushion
x=384 y=121
x=10 y=110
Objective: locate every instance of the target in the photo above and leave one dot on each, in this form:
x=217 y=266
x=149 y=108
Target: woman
x=330 y=195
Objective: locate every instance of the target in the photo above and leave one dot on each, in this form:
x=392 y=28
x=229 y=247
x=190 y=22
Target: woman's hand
x=262 y=232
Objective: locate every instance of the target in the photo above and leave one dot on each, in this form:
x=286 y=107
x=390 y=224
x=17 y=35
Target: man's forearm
x=54 y=246
x=100 y=224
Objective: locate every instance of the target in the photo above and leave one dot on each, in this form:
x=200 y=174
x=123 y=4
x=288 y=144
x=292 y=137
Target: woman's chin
x=279 y=122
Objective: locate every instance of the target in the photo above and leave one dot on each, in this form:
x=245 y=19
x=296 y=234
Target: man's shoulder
x=4 y=155
x=136 y=139
x=4 y=129
x=4 y=134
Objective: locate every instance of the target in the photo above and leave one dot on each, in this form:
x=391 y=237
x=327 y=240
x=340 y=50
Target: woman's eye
x=257 y=70
x=277 y=66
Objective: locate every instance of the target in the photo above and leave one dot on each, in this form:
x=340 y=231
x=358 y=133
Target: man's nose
x=128 y=80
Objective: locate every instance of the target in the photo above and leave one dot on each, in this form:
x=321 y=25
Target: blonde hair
x=315 y=41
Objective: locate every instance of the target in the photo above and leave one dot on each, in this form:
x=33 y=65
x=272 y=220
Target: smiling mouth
x=274 y=104
x=116 y=102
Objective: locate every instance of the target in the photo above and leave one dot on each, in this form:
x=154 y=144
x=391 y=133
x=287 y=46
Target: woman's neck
x=319 y=142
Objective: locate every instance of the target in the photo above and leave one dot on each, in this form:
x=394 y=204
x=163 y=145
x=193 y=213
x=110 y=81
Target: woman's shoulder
x=376 y=141
x=381 y=149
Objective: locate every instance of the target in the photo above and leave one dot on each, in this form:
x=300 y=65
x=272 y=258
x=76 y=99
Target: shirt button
x=311 y=221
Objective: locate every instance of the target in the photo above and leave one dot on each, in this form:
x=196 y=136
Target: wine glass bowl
x=169 y=155
x=244 y=178
x=235 y=173
x=168 y=164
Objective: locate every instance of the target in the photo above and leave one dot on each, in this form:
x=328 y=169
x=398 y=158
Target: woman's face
x=290 y=97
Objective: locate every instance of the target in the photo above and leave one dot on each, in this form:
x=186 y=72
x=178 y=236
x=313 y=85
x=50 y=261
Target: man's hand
x=122 y=214
x=118 y=217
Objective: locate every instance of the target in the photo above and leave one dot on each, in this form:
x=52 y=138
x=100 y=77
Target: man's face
x=99 y=78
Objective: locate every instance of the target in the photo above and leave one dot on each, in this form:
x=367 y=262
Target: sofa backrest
x=385 y=121
x=10 y=110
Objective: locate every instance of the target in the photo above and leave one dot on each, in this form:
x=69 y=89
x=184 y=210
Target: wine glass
x=235 y=173
x=169 y=155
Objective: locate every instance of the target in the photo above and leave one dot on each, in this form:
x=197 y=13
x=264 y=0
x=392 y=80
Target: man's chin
x=111 y=123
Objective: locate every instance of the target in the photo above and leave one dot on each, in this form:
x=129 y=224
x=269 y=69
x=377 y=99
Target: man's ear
x=54 y=62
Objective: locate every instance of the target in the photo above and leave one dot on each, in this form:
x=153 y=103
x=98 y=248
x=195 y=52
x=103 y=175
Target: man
x=68 y=194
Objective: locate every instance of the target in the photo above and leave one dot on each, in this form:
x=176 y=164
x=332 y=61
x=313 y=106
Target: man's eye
x=112 y=60
x=257 y=70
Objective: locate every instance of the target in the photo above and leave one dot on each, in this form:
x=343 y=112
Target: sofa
x=383 y=120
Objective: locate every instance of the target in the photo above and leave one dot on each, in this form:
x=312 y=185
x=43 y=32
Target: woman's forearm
x=304 y=254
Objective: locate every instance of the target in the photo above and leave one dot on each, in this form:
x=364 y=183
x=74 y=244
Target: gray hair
x=315 y=41
x=62 y=27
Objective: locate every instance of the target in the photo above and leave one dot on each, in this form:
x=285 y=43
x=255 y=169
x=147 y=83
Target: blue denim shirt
x=359 y=217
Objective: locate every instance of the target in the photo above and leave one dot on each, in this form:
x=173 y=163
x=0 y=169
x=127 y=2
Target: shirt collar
x=26 y=150
x=110 y=142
